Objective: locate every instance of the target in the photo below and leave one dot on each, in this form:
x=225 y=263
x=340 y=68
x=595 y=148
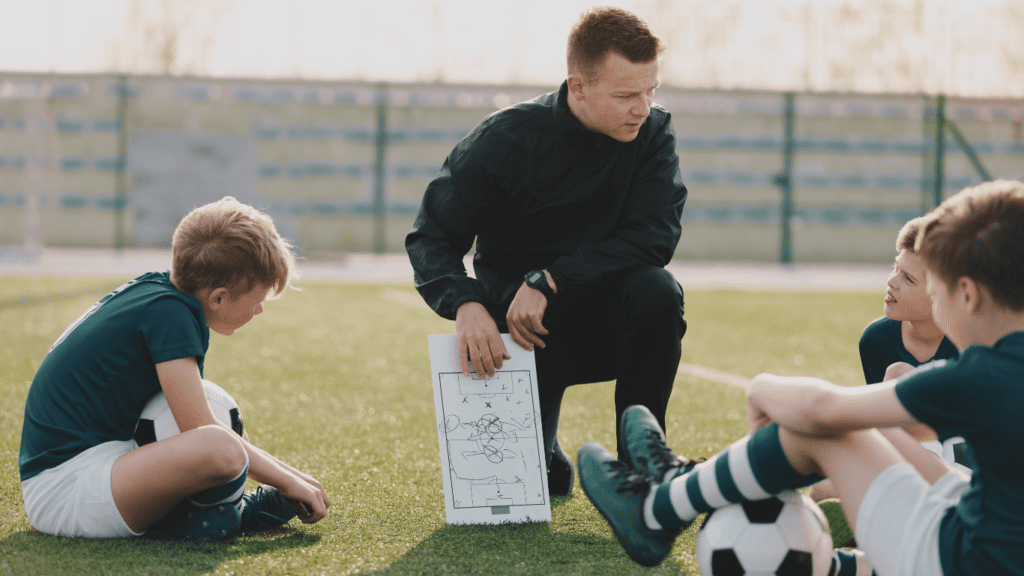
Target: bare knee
x=808 y=454
x=897 y=369
x=221 y=452
x=822 y=491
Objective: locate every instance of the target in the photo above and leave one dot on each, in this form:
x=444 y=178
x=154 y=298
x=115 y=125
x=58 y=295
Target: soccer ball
x=785 y=535
x=157 y=422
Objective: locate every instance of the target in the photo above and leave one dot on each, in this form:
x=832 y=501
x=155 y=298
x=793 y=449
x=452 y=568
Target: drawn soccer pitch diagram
x=490 y=430
x=491 y=444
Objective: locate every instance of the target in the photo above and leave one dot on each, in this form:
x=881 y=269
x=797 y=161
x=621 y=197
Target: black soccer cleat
x=645 y=447
x=218 y=522
x=264 y=508
x=560 y=472
x=618 y=493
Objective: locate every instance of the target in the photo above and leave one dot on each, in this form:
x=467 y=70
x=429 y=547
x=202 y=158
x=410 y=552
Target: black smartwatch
x=538 y=280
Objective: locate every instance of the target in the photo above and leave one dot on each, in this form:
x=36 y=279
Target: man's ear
x=577 y=85
x=216 y=297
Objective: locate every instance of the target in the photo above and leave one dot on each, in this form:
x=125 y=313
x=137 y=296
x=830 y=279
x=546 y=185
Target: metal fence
x=116 y=161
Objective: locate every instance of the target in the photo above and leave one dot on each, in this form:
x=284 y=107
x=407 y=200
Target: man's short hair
x=604 y=30
x=979 y=234
x=907 y=237
x=228 y=244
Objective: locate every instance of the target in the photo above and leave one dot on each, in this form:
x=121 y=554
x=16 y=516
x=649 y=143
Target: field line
x=415 y=301
x=705 y=373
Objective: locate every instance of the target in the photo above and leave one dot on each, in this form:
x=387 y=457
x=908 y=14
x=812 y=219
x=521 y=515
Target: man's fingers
x=538 y=327
x=517 y=337
x=487 y=359
x=499 y=353
x=478 y=363
x=464 y=361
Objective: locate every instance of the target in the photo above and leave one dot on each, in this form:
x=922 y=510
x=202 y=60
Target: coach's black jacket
x=538 y=190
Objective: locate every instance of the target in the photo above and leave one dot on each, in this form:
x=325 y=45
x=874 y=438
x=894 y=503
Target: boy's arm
x=183 y=387
x=815 y=407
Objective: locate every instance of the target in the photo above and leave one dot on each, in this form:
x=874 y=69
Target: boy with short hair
x=905 y=338
x=913 y=513
x=82 y=473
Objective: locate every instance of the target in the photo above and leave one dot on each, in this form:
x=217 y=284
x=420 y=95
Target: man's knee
x=653 y=289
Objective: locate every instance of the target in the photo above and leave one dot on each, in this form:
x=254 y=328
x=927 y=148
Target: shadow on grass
x=516 y=549
x=31 y=552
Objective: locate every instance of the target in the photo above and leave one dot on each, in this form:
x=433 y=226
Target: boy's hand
x=307 y=498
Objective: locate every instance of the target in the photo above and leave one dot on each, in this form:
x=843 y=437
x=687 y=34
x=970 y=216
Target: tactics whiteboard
x=489 y=433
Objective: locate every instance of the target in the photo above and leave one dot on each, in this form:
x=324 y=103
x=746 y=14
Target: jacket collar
x=570 y=126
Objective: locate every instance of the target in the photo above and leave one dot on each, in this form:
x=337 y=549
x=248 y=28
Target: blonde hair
x=907 y=237
x=228 y=244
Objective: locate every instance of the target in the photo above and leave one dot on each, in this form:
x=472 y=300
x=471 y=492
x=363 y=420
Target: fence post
x=784 y=181
x=379 y=172
x=121 y=173
x=940 y=149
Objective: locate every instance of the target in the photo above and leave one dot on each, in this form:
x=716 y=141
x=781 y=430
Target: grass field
x=335 y=380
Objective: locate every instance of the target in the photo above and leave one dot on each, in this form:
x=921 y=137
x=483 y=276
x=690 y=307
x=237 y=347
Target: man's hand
x=525 y=315
x=478 y=339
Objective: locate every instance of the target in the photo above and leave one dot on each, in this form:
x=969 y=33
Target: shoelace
x=262 y=520
x=661 y=457
x=629 y=480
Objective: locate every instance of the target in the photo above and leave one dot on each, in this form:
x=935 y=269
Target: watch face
x=535 y=277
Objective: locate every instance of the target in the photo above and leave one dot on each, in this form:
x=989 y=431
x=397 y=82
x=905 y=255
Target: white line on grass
x=713 y=375
x=414 y=301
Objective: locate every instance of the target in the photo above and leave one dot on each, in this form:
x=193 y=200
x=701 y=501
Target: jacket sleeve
x=650 y=227
x=460 y=197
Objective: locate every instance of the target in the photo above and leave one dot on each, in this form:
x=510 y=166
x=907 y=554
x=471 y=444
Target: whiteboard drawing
x=492 y=454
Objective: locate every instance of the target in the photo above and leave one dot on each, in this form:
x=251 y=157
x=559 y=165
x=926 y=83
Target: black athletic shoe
x=560 y=473
x=646 y=450
x=217 y=522
x=618 y=493
x=264 y=508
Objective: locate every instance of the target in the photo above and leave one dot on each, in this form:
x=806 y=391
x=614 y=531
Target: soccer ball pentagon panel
x=786 y=535
x=157 y=422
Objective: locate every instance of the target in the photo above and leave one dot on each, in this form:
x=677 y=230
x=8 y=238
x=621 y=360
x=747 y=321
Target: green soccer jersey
x=881 y=344
x=979 y=397
x=92 y=385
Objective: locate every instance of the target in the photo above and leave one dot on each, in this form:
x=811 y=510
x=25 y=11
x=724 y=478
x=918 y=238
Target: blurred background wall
x=808 y=131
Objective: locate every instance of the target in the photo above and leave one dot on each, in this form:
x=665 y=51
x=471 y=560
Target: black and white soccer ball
x=157 y=421
x=785 y=535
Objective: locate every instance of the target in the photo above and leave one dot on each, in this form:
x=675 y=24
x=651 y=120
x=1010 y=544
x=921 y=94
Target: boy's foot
x=189 y=521
x=838 y=524
x=264 y=508
x=560 y=472
x=645 y=446
x=618 y=493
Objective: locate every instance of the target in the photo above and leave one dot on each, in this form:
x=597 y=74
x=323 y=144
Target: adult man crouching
x=574 y=200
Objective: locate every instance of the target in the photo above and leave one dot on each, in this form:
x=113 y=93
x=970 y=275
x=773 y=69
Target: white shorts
x=898 y=521
x=75 y=498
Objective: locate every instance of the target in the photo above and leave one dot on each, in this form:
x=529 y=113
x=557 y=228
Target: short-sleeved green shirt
x=881 y=345
x=92 y=385
x=979 y=397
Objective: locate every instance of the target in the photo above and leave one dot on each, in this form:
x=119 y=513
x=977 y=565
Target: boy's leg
x=148 y=482
x=902 y=511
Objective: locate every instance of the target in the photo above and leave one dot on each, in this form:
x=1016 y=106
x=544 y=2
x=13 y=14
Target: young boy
x=904 y=338
x=83 y=475
x=913 y=513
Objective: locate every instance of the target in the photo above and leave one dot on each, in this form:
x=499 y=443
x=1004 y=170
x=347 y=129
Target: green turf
x=335 y=380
